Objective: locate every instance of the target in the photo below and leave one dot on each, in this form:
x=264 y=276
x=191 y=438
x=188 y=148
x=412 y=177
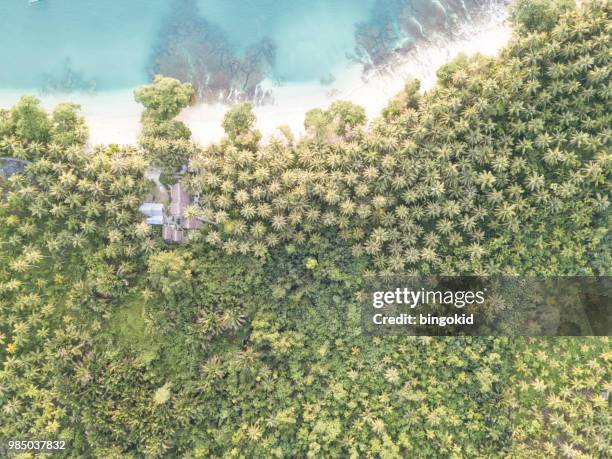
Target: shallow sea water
x=104 y=41
x=312 y=37
x=107 y=44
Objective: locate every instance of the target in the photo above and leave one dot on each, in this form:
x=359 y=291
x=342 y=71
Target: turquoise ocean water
x=312 y=37
x=104 y=43
x=223 y=47
x=109 y=44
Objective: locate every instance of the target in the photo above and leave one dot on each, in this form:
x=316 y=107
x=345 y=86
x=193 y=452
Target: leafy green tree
x=164 y=98
x=316 y=121
x=539 y=15
x=30 y=121
x=239 y=123
x=6 y=122
x=68 y=127
x=407 y=99
x=167 y=145
x=445 y=73
x=340 y=118
x=345 y=115
x=170 y=273
x=165 y=140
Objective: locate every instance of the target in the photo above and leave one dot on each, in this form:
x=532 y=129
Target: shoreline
x=114 y=116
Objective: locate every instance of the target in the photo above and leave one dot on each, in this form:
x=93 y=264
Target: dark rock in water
x=68 y=80
x=191 y=49
x=400 y=25
x=458 y=7
x=374 y=44
x=254 y=66
x=413 y=27
x=431 y=14
x=328 y=79
x=407 y=46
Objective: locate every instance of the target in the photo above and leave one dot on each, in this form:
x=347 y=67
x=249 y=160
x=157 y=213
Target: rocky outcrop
x=192 y=49
x=402 y=24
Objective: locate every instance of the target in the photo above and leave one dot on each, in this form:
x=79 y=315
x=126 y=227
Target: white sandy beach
x=114 y=117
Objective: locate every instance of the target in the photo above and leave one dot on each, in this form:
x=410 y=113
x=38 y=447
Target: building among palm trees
x=154 y=211
x=179 y=201
x=171 y=233
x=172 y=217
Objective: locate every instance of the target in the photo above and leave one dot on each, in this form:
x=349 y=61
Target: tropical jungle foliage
x=246 y=341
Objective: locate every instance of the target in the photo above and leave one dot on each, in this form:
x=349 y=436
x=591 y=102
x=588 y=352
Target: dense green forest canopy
x=245 y=341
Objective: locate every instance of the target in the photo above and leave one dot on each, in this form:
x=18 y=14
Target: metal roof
x=154 y=211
